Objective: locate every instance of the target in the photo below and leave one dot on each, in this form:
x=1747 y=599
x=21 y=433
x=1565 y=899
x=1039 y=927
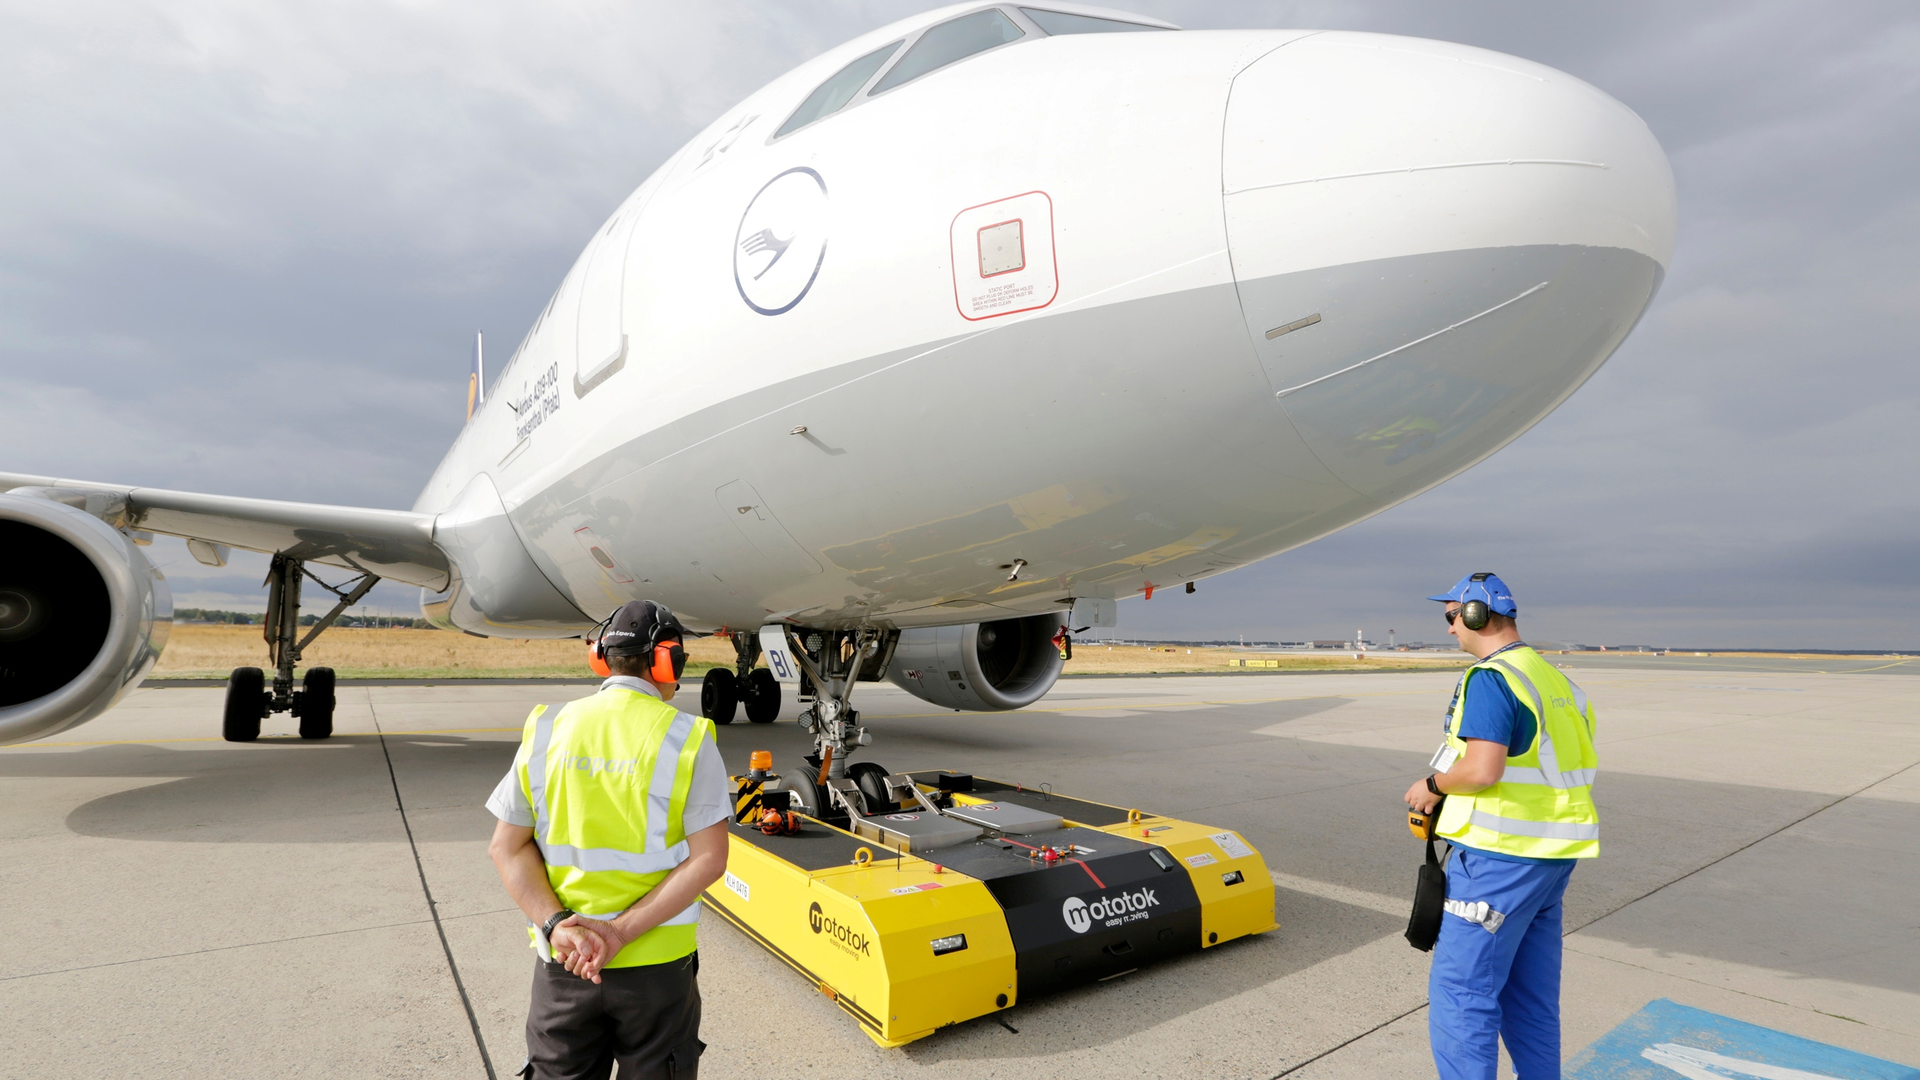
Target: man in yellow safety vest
x=611 y=823
x=1516 y=769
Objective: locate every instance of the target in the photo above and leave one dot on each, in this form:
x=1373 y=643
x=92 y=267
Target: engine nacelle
x=980 y=667
x=83 y=615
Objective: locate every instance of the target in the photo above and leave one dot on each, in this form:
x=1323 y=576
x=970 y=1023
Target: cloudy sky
x=243 y=249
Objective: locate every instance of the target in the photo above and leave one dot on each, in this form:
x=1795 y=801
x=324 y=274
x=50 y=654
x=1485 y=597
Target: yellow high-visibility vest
x=607 y=777
x=1542 y=805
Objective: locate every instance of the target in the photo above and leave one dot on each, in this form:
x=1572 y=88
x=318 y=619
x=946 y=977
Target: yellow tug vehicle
x=919 y=900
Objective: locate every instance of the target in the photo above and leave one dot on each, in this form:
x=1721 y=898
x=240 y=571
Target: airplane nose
x=1434 y=244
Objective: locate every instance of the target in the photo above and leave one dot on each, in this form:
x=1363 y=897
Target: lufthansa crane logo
x=781 y=241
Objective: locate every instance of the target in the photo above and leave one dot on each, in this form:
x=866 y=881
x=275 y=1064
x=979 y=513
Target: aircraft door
x=603 y=340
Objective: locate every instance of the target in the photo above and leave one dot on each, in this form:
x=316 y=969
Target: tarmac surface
x=182 y=906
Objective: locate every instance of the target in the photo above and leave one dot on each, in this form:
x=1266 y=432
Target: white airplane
x=946 y=341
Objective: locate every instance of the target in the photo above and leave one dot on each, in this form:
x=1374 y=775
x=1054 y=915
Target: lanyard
x=1446 y=718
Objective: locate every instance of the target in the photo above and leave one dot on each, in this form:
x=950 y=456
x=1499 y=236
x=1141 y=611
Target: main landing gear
x=248 y=699
x=722 y=692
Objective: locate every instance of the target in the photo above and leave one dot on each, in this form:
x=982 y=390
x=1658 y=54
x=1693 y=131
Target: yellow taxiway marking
x=263 y=738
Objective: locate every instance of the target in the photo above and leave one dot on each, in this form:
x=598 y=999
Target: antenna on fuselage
x=477 y=378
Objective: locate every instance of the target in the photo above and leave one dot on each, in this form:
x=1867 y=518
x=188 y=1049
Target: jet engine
x=980 y=667
x=83 y=614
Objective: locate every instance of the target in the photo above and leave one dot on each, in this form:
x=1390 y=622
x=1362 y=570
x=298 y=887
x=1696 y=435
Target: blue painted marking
x=1665 y=1041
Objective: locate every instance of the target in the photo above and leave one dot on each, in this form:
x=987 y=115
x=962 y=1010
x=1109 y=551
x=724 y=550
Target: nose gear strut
x=832 y=720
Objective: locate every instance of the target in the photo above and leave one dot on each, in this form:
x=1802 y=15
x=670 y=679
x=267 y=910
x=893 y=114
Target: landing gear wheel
x=246 y=704
x=316 y=703
x=762 y=696
x=719 y=695
x=807 y=795
x=871 y=779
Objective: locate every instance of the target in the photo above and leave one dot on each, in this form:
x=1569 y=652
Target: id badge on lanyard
x=1444 y=757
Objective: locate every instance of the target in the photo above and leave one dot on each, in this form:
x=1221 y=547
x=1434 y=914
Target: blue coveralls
x=1505 y=984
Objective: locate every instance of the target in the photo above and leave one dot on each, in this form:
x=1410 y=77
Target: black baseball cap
x=638 y=626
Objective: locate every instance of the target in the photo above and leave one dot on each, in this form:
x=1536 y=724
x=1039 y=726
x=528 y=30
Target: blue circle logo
x=781 y=241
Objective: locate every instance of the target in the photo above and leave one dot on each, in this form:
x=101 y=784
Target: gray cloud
x=208 y=208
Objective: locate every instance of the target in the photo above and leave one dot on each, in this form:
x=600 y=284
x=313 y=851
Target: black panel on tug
x=1106 y=907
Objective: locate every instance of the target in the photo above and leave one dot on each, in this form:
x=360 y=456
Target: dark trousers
x=645 y=1018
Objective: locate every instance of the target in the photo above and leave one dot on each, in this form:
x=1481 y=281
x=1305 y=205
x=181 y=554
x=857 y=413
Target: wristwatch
x=546 y=931
x=1435 y=788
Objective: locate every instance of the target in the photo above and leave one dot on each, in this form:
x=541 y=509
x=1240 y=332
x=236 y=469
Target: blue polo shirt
x=1494 y=714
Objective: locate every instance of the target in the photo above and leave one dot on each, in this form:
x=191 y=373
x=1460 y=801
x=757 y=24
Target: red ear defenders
x=669 y=660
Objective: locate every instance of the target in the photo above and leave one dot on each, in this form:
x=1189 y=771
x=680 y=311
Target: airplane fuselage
x=1079 y=316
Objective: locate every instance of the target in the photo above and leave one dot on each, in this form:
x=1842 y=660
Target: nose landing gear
x=834 y=662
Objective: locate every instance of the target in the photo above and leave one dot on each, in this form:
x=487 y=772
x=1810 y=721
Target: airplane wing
x=393 y=544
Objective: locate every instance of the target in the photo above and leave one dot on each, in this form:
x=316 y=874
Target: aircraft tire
x=762 y=696
x=810 y=795
x=316 y=703
x=871 y=779
x=719 y=695
x=246 y=702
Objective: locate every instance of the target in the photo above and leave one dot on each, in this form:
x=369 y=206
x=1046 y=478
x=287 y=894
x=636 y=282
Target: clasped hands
x=585 y=945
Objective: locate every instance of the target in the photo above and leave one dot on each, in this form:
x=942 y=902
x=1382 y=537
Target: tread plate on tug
x=1107 y=908
x=909 y=941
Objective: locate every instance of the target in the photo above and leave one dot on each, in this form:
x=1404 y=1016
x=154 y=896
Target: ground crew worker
x=611 y=823
x=1517 y=769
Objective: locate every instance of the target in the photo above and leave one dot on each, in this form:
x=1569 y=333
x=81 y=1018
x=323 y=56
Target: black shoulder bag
x=1430 y=887
x=1429 y=900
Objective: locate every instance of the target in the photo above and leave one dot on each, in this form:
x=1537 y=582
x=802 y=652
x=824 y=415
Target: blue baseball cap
x=1487 y=588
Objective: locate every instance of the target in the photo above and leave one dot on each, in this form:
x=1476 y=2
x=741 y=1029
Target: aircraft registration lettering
x=537 y=402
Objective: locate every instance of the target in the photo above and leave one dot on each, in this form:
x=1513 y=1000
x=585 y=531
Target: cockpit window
x=1059 y=22
x=955 y=39
x=837 y=91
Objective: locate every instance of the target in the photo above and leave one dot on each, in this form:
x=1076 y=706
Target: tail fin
x=477 y=379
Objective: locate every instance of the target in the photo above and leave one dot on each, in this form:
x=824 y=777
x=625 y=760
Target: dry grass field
x=1091 y=659
x=212 y=651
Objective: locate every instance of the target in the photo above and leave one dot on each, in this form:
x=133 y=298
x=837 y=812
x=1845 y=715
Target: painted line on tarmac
x=261 y=739
x=433 y=906
x=1679 y=1039
x=1360 y=898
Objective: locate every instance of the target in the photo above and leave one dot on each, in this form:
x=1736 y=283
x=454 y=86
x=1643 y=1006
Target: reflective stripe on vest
x=1537 y=809
x=590 y=783
x=1549 y=774
x=1545 y=830
x=658 y=856
x=685 y=918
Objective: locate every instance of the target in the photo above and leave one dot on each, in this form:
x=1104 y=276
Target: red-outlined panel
x=1031 y=286
x=1020 y=235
